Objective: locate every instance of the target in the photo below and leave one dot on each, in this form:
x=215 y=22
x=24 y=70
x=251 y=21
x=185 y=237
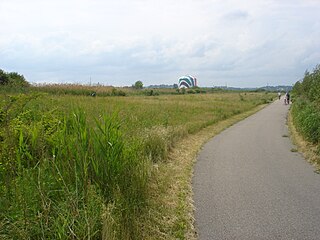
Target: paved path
x=249 y=185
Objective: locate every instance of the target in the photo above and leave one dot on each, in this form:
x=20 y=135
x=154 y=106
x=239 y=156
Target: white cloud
x=244 y=43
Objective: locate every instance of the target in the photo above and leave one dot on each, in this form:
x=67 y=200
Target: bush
x=305 y=109
x=309 y=87
x=12 y=79
x=4 y=79
x=151 y=93
x=191 y=91
x=116 y=92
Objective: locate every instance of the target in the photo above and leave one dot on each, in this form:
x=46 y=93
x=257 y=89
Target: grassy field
x=74 y=167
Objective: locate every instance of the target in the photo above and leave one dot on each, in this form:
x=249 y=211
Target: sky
x=239 y=43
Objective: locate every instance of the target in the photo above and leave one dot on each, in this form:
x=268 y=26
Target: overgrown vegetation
x=58 y=173
x=12 y=79
x=306 y=106
x=75 y=167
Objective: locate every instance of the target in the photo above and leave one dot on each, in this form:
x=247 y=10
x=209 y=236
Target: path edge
x=180 y=167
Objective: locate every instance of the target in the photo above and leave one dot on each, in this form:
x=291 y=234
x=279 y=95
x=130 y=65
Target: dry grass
x=171 y=211
x=309 y=150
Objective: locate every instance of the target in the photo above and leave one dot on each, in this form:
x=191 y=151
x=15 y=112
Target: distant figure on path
x=287 y=98
x=279 y=95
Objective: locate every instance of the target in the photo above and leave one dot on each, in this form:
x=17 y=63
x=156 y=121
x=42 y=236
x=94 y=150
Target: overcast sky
x=242 y=43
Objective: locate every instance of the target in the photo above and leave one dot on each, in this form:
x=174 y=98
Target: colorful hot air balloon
x=187 y=82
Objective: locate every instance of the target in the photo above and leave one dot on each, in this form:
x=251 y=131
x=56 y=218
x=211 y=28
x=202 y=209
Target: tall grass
x=306 y=110
x=75 y=167
x=307 y=120
x=57 y=177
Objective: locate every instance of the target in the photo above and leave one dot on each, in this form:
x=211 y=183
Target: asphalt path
x=249 y=184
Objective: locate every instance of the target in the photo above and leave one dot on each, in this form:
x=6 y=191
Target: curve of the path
x=249 y=184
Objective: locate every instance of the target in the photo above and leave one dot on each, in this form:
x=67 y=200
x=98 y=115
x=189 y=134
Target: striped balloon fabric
x=187 y=82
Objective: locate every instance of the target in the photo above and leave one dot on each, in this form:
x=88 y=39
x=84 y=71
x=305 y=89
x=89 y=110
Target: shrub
x=116 y=92
x=305 y=110
x=13 y=79
x=4 y=79
x=309 y=87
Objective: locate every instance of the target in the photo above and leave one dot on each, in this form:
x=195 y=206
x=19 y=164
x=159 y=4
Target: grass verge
x=309 y=150
x=171 y=211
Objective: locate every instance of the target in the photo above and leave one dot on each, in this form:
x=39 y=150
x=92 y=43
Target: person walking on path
x=279 y=95
x=287 y=98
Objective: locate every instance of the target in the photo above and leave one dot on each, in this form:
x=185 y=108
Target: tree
x=16 y=79
x=138 y=85
x=12 y=79
x=4 y=79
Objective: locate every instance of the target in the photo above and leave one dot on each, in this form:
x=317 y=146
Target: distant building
x=187 y=82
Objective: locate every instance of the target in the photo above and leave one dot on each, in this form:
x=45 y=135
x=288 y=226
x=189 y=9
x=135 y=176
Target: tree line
x=12 y=79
